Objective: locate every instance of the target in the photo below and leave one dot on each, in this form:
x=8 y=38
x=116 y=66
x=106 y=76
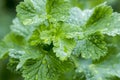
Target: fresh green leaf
x=50 y=38
x=62 y=40
x=99 y=12
x=23 y=55
x=59 y=9
x=14 y=40
x=97 y=20
x=3 y=49
x=63 y=48
x=48 y=67
x=92 y=47
x=79 y=17
x=106 y=70
x=112 y=27
x=32 y=12
x=19 y=29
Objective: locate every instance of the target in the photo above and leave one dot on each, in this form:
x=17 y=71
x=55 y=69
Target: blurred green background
x=8 y=13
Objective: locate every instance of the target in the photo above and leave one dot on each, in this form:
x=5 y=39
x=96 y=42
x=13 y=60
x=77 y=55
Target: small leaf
x=63 y=48
x=3 y=49
x=19 y=29
x=32 y=12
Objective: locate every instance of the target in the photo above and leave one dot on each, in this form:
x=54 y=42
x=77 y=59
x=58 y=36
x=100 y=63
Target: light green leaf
x=79 y=17
x=112 y=27
x=14 y=40
x=3 y=49
x=42 y=35
x=19 y=29
x=35 y=39
x=11 y=42
x=107 y=69
x=62 y=39
x=63 y=47
x=58 y=9
x=32 y=12
x=92 y=47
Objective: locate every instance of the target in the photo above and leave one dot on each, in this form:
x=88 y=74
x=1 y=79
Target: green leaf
x=24 y=54
x=35 y=39
x=108 y=69
x=63 y=47
x=79 y=17
x=97 y=21
x=3 y=49
x=58 y=9
x=16 y=54
x=14 y=40
x=32 y=12
x=99 y=13
x=11 y=42
x=30 y=53
x=62 y=39
x=47 y=34
x=92 y=47
x=42 y=35
x=48 y=67
x=112 y=25
x=19 y=29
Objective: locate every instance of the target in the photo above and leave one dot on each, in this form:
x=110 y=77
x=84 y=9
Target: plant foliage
x=54 y=40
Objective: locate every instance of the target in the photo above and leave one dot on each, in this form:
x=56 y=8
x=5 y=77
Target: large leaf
x=92 y=47
x=48 y=67
x=106 y=70
x=34 y=12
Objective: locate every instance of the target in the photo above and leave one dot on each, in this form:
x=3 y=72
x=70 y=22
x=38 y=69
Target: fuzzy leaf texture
x=51 y=39
x=92 y=47
x=107 y=69
x=47 y=67
x=32 y=12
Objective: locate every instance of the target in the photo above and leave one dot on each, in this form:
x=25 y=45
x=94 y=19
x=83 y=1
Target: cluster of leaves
x=54 y=40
